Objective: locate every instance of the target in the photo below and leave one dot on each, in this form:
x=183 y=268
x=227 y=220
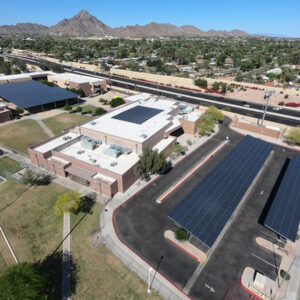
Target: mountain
x=23 y=28
x=84 y=24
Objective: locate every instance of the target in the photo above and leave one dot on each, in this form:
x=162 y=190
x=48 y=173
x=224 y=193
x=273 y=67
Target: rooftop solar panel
x=138 y=114
x=33 y=93
x=284 y=214
x=207 y=208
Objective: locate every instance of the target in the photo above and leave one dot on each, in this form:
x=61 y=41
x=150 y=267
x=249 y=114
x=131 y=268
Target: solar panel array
x=33 y=93
x=284 y=214
x=138 y=114
x=207 y=208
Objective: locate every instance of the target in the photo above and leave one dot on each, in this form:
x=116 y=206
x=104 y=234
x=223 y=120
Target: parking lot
x=141 y=222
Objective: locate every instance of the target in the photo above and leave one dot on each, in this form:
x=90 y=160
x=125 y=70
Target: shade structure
x=207 y=208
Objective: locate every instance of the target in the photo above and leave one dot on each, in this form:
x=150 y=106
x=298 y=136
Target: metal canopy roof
x=206 y=209
x=33 y=93
x=284 y=214
x=138 y=114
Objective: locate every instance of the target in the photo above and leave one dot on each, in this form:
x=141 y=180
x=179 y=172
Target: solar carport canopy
x=207 y=208
x=284 y=214
x=33 y=93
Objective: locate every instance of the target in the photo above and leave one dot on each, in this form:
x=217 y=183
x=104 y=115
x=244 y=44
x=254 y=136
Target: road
x=285 y=116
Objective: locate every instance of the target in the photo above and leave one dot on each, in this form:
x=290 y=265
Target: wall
x=256 y=129
x=5 y=115
x=188 y=126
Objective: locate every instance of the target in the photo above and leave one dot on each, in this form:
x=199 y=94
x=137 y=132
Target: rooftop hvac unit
x=93 y=123
x=114 y=163
x=143 y=135
x=80 y=151
x=66 y=138
x=92 y=160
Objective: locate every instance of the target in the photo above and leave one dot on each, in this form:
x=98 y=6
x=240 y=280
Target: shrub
x=281 y=103
x=179 y=149
x=294 y=136
x=292 y=104
x=78 y=109
x=286 y=96
x=67 y=107
x=31 y=178
x=189 y=142
x=216 y=86
x=181 y=235
x=201 y=82
x=67 y=203
x=89 y=111
x=285 y=275
x=19 y=110
x=116 y=102
x=99 y=111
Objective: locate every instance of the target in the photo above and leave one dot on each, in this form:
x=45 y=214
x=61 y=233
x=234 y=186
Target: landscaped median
x=186 y=246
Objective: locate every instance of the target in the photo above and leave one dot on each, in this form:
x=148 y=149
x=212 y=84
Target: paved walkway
x=66 y=261
x=45 y=127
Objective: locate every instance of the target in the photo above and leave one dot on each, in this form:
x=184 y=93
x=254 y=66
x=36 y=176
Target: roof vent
x=114 y=163
x=80 y=151
x=143 y=135
x=93 y=123
x=92 y=160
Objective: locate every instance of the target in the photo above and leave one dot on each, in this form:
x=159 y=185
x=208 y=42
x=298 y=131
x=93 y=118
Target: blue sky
x=264 y=16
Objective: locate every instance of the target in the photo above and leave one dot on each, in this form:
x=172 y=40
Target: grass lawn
x=101 y=274
x=10 y=191
x=88 y=107
x=21 y=135
x=8 y=166
x=63 y=121
x=30 y=224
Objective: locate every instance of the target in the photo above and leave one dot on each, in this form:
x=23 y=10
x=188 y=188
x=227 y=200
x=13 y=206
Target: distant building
x=88 y=84
x=275 y=71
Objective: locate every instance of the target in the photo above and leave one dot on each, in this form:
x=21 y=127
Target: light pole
x=268 y=94
x=149 y=280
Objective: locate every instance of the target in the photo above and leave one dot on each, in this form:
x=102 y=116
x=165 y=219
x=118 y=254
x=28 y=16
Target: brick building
x=5 y=113
x=88 y=84
x=102 y=153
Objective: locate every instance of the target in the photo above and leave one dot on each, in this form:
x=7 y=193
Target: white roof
x=164 y=143
x=56 y=142
x=15 y=76
x=124 y=161
x=138 y=97
x=76 y=78
x=108 y=125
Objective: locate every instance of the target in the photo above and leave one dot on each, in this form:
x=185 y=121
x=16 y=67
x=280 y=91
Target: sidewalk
x=66 y=259
x=134 y=262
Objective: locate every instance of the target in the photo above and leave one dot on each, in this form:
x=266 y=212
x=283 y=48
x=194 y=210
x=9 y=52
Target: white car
x=277 y=108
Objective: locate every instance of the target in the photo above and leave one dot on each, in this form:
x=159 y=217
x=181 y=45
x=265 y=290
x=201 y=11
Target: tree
x=179 y=149
x=67 y=203
x=201 y=82
x=239 y=77
x=216 y=114
x=181 y=235
x=22 y=281
x=151 y=162
x=216 y=85
x=31 y=178
x=206 y=124
x=19 y=110
x=294 y=136
x=224 y=88
x=117 y=101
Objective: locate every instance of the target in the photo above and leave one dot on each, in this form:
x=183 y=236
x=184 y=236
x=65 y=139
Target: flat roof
x=15 y=76
x=284 y=214
x=56 y=142
x=33 y=93
x=76 y=78
x=207 y=208
x=142 y=96
x=123 y=163
x=139 y=133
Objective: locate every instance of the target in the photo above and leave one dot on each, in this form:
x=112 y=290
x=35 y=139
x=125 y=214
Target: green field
x=21 y=135
x=88 y=107
x=8 y=166
x=102 y=275
x=63 y=121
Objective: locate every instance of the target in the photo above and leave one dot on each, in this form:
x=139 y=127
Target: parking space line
x=272 y=237
x=264 y=261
